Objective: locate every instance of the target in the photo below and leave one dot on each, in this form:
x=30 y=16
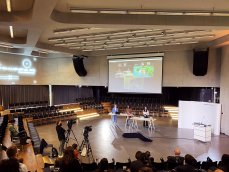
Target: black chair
x=120 y=165
x=89 y=167
x=206 y=165
x=159 y=166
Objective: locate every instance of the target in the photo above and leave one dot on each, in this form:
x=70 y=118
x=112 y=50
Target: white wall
x=177 y=70
x=224 y=90
x=199 y=112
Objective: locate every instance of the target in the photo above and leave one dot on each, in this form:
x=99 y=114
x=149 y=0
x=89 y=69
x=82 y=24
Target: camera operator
x=61 y=136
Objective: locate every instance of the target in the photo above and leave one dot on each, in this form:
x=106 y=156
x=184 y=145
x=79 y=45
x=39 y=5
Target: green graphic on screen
x=143 y=71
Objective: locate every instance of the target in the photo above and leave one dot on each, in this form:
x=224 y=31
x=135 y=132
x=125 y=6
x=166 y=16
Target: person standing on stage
x=61 y=136
x=114 y=114
x=146 y=115
x=128 y=115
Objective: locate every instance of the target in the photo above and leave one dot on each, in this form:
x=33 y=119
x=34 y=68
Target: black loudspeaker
x=200 y=63
x=79 y=66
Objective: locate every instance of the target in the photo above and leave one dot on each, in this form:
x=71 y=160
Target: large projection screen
x=136 y=74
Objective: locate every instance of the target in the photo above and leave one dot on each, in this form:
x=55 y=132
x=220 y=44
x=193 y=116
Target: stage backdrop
x=201 y=112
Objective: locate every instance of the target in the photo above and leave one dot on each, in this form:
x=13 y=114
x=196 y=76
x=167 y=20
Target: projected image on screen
x=138 y=75
x=16 y=71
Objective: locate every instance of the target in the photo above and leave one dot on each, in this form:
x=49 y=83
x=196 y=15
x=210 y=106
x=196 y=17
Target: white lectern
x=202 y=132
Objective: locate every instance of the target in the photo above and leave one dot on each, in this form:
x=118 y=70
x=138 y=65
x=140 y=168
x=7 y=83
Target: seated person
x=177 y=159
x=190 y=164
x=146 y=115
x=12 y=154
x=76 y=153
x=136 y=165
x=103 y=165
x=68 y=163
x=224 y=163
x=129 y=114
x=14 y=133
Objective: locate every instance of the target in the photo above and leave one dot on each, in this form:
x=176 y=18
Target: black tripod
x=86 y=145
x=69 y=131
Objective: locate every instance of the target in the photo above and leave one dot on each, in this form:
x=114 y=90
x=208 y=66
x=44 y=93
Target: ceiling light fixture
x=142 y=12
x=11 y=32
x=113 y=12
x=6 y=45
x=151 y=12
x=73 y=10
x=8 y=5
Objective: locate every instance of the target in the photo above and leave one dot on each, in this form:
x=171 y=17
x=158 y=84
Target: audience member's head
x=177 y=152
x=12 y=152
x=138 y=155
x=190 y=160
x=224 y=164
x=74 y=146
x=103 y=164
x=68 y=154
x=225 y=159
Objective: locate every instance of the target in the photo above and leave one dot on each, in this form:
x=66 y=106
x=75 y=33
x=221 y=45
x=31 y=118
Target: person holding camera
x=61 y=136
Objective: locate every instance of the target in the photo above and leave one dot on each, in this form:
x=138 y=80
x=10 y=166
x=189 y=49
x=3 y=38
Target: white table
x=121 y=114
x=150 y=121
x=202 y=132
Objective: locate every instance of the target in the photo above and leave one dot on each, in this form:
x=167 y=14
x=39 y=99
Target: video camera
x=86 y=130
x=70 y=123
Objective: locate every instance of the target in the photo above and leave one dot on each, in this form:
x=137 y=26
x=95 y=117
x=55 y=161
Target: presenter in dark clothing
x=61 y=136
x=146 y=115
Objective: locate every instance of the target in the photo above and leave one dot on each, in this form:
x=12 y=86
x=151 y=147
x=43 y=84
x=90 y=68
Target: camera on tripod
x=70 y=123
x=86 y=130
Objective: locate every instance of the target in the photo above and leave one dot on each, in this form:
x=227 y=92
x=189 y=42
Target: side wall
x=177 y=71
x=224 y=90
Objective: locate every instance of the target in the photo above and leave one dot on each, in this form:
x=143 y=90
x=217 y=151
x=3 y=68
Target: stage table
x=150 y=121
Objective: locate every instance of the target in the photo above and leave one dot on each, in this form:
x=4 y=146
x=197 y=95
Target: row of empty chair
x=52 y=117
x=90 y=103
x=137 y=104
x=142 y=100
x=27 y=104
x=36 y=141
x=35 y=109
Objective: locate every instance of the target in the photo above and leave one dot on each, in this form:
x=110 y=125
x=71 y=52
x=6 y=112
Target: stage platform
x=107 y=141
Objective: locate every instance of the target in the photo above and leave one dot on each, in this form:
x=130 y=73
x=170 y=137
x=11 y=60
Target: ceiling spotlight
x=163 y=33
x=8 y=5
x=11 y=32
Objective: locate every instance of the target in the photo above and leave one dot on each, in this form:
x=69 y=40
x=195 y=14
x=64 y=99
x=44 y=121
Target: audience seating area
x=90 y=103
x=36 y=141
x=137 y=104
x=43 y=114
x=27 y=104
x=149 y=165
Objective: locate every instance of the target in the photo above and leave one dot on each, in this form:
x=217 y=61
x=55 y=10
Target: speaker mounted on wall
x=200 y=62
x=79 y=66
